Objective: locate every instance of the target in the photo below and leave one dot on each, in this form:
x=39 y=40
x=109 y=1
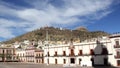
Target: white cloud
x=44 y=13
x=6 y=27
x=7 y=11
x=5 y=33
x=86 y=7
x=65 y=15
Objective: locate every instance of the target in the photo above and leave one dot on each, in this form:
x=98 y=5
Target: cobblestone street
x=29 y=65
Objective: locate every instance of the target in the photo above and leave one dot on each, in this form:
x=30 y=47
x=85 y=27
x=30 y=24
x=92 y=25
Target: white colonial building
x=96 y=51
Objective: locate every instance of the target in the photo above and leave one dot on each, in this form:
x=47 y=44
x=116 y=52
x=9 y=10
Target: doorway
x=118 y=62
x=72 y=60
x=79 y=61
x=92 y=60
x=55 y=61
x=105 y=61
x=64 y=61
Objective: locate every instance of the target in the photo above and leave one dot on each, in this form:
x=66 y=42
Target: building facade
x=30 y=55
x=97 y=51
x=92 y=52
x=21 y=55
x=115 y=42
x=7 y=54
x=39 y=56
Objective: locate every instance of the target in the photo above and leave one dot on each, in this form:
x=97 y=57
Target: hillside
x=58 y=34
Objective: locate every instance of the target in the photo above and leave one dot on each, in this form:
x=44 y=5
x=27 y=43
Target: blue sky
x=20 y=16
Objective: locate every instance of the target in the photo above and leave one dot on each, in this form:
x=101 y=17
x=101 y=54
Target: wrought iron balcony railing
x=116 y=46
x=117 y=56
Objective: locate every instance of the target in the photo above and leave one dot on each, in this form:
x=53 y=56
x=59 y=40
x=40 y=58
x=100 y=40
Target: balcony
x=29 y=56
x=80 y=54
x=64 y=55
x=117 y=56
x=55 y=55
x=116 y=46
x=72 y=54
x=39 y=57
x=84 y=54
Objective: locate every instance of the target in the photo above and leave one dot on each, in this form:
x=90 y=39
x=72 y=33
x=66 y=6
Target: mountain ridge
x=58 y=34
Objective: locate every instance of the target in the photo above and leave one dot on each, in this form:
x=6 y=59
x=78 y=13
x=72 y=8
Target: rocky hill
x=58 y=34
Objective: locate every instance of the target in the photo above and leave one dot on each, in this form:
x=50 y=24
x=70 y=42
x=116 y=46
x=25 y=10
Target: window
x=0 y=51
x=42 y=54
x=18 y=54
x=64 y=61
x=8 y=51
x=48 y=54
x=37 y=61
x=42 y=60
x=117 y=42
x=80 y=52
x=13 y=51
x=72 y=52
x=3 y=51
x=36 y=55
x=55 y=53
x=64 y=53
x=91 y=52
x=39 y=55
x=23 y=55
x=118 y=54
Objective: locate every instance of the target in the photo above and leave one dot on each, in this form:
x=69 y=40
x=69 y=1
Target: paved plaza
x=29 y=65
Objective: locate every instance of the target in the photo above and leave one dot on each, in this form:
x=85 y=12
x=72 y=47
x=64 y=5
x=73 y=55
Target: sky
x=18 y=17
